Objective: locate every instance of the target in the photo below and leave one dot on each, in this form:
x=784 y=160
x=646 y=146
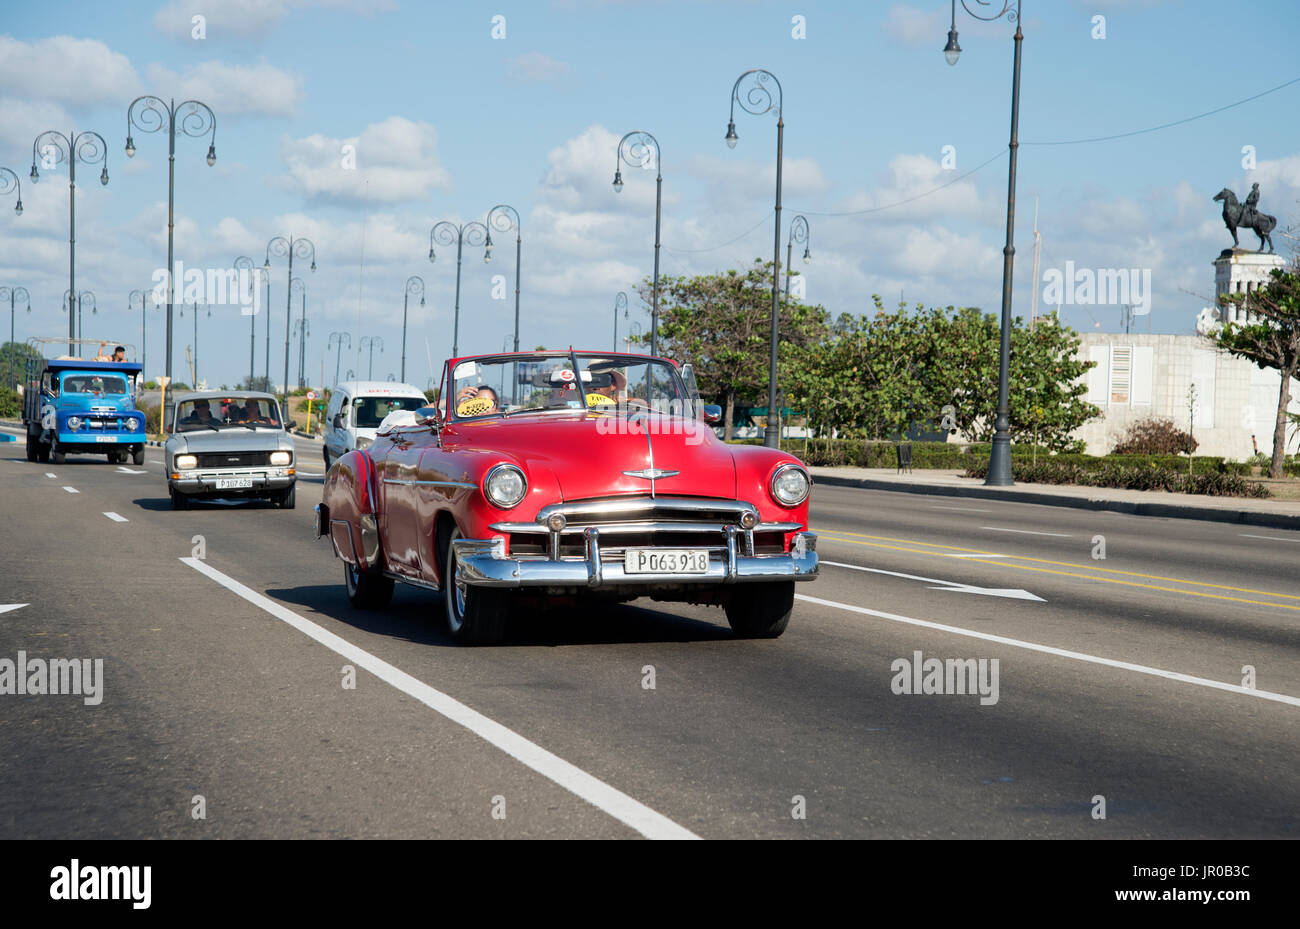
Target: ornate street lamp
x=55 y=148
x=144 y=320
x=414 y=288
x=340 y=339
x=302 y=330
x=757 y=99
x=369 y=342
x=195 y=120
x=503 y=218
x=80 y=300
x=289 y=248
x=798 y=233
x=634 y=331
x=14 y=293
x=8 y=185
x=620 y=303
x=244 y=263
x=195 y=313
x=444 y=233
x=1000 y=472
x=639 y=149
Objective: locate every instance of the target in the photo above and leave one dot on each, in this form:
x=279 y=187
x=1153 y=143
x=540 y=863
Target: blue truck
x=76 y=407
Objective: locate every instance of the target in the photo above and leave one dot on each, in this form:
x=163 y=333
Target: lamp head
x=212 y=154
x=952 y=50
x=731 y=136
x=130 y=147
x=618 y=181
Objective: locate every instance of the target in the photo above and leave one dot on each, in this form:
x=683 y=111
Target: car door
x=396 y=461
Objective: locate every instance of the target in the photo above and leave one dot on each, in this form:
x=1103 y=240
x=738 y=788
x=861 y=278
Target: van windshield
x=369 y=412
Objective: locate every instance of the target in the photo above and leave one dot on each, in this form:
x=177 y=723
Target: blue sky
x=447 y=121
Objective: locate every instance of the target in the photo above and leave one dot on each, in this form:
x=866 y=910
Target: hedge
x=1131 y=477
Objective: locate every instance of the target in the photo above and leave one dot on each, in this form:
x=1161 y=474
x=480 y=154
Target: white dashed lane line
x=50 y=474
x=71 y=490
x=1271 y=538
x=1059 y=535
x=614 y=802
x=116 y=518
x=1059 y=652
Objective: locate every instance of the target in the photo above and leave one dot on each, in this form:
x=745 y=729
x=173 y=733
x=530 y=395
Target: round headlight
x=131 y=424
x=281 y=459
x=74 y=423
x=185 y=462
x=790 y=485
x=363 y=441
x=505 y=486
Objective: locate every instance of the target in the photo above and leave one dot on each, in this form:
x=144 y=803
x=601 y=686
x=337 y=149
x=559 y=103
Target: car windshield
x=95 y=384
x=369 y=412
x=227 y=413
x=508 y=384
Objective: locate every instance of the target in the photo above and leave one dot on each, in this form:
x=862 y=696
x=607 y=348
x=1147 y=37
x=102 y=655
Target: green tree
x=13 y=361
x=721 y=324
x=1270 y=337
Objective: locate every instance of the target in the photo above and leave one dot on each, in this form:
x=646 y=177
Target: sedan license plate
x=665 y=561
x=234 y=483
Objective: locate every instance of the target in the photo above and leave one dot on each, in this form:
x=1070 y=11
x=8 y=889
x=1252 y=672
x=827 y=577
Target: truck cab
x=76 y=407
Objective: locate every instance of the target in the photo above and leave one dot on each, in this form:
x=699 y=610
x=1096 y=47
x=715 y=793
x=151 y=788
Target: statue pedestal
x=1241 y=271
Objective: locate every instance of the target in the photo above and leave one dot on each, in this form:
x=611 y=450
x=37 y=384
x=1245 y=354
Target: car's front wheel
x=760 y=611
x=475 y=615
x=285 y=498
x=367 y=590
x=179 y=500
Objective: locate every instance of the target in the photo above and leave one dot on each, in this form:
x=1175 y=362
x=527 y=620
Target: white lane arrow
x=1011 y=593
x=130 y=471
x=7 y=607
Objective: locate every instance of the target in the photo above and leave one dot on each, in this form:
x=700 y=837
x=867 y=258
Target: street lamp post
x=244 y=263
x=503 y=218
x=757 y=100
x=444 y=233
x=302 y=329
x=634 y=331
x=1000 y=472
x=620 y=303
x=194 y=307
x=287 y=248
x=7 y=185
x=798 y=233
x=340 y=339
x=369 y=342
x=196 y=120
x=144 y=321
x=414 y=288
x=13 y=293
x=55 y=148
x=639 y=149
x=79 y=300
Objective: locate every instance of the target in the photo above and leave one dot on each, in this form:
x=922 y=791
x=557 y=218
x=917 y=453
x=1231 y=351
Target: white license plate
x=665 y=561
x=234 y=483
x=105 y=438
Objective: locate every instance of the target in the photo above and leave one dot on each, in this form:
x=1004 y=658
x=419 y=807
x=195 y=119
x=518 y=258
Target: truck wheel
x=475 y=615
x=137 y=456
x=57 y=455
x=326 y=453
x=760 y=611
x=285 y=498
x=33 y=450
x=115 y=457
x=367 y=590
x=42 y=452
x=179 y=500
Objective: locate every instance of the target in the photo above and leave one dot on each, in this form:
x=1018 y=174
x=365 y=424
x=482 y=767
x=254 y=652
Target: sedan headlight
x=281 y=459
x=74 y=423
x=131 y=424
x=790 y=485
x=185 y=462
x=505 y=486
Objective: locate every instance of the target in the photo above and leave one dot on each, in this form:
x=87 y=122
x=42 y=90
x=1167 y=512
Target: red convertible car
x=549 y=476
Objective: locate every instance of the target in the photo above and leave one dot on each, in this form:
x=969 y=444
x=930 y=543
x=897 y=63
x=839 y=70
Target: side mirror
x=337 y=421
x=712 y=414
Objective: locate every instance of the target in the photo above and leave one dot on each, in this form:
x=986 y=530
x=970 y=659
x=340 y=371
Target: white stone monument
x=1241 y=271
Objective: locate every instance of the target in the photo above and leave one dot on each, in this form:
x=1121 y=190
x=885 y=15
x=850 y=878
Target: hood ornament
x=652 y=474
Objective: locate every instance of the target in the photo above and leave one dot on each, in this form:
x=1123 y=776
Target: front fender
x=348 y=509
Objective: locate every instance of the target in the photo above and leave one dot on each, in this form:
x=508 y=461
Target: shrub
x=11 y=405
x=1130 y=477
x=1155 y=436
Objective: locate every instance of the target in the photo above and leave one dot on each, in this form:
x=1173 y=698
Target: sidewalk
x=1275 y=514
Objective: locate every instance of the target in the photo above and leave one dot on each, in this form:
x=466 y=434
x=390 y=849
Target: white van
x=358 y=407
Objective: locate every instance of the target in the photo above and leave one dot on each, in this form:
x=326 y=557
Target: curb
x=1131 y=507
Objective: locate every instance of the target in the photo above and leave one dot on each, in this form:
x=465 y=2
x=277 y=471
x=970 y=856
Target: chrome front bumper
x=264 y=479
x=484 y=563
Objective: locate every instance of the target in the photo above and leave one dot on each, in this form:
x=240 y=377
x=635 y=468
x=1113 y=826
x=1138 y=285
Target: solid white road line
x=71 y=490
x=961 y=509
x=116 y=518
x=619 y=805
x=973 y=555
x=1059 y=652
x=1012 y=593
x=1061 y=535
x=1271 y=538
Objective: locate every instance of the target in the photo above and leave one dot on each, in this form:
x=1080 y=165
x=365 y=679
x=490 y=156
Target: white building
x=1138 y=376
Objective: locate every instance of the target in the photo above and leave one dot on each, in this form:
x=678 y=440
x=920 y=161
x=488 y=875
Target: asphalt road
x=1118 y=678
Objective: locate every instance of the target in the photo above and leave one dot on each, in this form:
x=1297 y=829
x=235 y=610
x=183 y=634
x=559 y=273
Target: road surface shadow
x=419 y=616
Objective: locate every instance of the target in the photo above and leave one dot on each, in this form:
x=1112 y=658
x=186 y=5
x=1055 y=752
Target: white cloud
x=243 y=19
x=534 y=67
x=395 y=160
x=231 y=90
x=915 y=27
x=65 y=69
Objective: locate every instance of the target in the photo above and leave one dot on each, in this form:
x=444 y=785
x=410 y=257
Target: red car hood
x=588 y=453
